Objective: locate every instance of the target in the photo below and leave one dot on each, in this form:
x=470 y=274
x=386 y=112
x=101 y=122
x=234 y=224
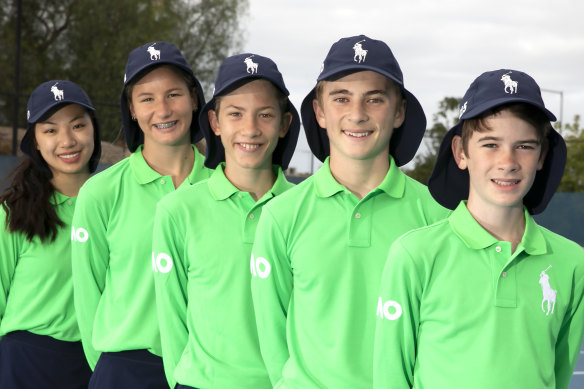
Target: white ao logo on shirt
x=161 y=263
x=259 y=266
x=383 y=309
x=79 y=234
x=154 y=54
x=549 y=294
x=360 y=52
x=509 y=83
x=252 y=67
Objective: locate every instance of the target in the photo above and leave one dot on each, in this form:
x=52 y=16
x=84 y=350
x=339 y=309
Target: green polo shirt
x=112 y=247
x=202 y=244
x=319 y=252
x=36 y=286
x=475 y=315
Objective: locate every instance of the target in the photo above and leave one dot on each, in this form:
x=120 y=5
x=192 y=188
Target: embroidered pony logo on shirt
x=509 y=83
x=549 y=294
x=360 y=53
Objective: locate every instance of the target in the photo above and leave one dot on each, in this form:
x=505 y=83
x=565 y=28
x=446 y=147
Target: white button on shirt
x=358 y=215
x=498 y=249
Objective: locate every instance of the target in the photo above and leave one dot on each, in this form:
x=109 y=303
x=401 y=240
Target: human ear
x=458 y=152
x=319 y=113
x=400 y=113
x=214 y=122
x=285 y=126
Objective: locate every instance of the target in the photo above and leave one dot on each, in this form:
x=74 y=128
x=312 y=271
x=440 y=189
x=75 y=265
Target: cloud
x=441 y=45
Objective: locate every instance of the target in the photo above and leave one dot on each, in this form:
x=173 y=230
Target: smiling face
x=502 y=161
x=163 y=105
x=65 y=140
x=359 y=112
x=250 y=122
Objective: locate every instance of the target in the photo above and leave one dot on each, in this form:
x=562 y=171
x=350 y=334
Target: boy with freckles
x=486 y=298
x=320 y=247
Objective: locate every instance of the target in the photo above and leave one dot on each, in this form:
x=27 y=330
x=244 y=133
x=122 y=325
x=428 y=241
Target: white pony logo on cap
x=154 y=54
x=509 y=83
x=360 y=52
x=58 y=93
x=462 y=110
x=252 y=67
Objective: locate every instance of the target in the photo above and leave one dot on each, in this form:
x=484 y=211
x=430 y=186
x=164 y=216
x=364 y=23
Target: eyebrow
x=347 y=92
x=243 y=109
x=70 y=121
x=497 y=139
x=146 y=93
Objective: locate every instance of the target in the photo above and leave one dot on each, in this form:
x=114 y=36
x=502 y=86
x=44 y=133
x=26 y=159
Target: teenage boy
x=320 y=247
x=203 y=234
x=486 y=298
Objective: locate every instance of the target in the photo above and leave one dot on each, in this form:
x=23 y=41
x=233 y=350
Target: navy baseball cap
x=45 y=97
x=234 y=72
x=360 y=53
x=147 y=56
x=449 y=185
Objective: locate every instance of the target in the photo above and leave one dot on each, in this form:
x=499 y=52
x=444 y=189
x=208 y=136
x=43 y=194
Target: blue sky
x=441 y=45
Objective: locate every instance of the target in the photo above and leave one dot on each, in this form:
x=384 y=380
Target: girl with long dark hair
x=40 y=341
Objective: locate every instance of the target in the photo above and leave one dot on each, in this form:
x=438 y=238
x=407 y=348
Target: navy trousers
x=135 y=369
x=34 y=361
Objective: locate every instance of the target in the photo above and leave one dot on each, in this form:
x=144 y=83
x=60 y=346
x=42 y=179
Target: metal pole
x=16 y=77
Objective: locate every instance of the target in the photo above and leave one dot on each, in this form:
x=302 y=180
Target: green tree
x=443 y=120
x=573 y=178
x=88 y=41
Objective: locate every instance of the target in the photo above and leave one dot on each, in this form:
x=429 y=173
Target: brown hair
x=527 y=112
x=27 y=203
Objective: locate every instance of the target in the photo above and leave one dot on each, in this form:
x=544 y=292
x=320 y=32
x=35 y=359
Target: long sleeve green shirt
x=457 y=309
x=319 y=253
x=36 y=285
x=201 y=248
x=112 y=248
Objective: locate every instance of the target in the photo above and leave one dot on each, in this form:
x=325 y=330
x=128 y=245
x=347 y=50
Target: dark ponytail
x=27 y=203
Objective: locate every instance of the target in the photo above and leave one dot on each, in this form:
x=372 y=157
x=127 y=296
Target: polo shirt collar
x=58 y=198
x=476 y=237
x=393 y=184
x=145 y=174
x=221 y=188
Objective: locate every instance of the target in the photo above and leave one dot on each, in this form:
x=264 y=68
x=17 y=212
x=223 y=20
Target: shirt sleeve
x=570 y=337
x=90 y=259
x=170 y=280
x=398 y=318
x=271 y=291
x=8 y=261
